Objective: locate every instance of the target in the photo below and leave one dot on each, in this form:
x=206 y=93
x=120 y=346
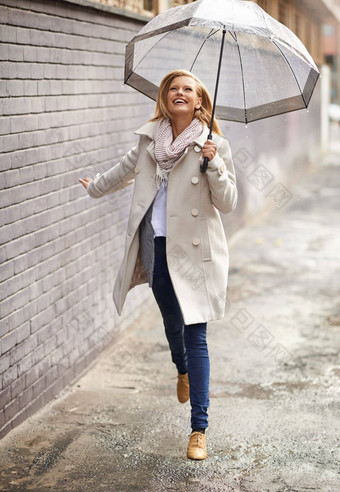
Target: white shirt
x=158 y=220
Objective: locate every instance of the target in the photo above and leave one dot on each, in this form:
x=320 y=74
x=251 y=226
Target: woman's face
x=182 y=98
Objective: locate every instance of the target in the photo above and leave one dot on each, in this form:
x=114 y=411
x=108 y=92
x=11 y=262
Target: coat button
x=137 y=169
x=194 y=212
x=221 y=169
x=196 y=241
x=194 y=180
x=197 y=148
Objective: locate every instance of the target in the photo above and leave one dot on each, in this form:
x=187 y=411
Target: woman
x=175 y=239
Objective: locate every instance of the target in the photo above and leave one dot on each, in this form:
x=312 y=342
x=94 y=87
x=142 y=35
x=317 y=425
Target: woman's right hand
x=85 y=181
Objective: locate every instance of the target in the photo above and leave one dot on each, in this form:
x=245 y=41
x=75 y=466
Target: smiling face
x=182 y=98
x=171 y=87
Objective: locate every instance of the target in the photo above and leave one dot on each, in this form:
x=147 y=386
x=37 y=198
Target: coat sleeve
x=116 y=178
x=222 y=178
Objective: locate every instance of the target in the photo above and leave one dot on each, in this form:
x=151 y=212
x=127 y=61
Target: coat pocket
x=205 y=239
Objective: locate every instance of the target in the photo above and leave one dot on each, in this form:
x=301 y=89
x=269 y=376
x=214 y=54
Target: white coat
x=197 y=251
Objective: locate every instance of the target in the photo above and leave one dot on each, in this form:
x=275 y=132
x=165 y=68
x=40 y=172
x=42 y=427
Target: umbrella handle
x=204 y=165
x=206 y=160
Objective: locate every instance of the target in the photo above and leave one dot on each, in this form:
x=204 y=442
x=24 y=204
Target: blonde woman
x=175 y=240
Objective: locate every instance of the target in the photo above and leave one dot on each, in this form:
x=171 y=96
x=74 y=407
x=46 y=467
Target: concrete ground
x=274 y=415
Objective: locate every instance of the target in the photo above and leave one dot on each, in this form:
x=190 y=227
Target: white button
x=194 y=212
x=194 y=180
x=137 y=170
x=221 y=169
x=196 y=241
x=197 y=148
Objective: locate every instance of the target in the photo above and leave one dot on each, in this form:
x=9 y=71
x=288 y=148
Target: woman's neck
x=179 y=125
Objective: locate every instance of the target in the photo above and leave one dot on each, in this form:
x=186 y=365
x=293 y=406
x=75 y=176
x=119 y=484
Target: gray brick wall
x=64 y=113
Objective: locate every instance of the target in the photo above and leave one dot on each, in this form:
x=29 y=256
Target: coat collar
x=149 y=127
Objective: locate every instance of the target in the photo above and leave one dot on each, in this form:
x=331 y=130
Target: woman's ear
x=199 y=103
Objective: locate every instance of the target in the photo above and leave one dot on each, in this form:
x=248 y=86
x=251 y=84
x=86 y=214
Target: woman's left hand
x=85 y=181
x=209 y=149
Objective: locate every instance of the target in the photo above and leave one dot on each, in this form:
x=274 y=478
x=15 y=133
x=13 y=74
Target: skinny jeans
x=187 y=343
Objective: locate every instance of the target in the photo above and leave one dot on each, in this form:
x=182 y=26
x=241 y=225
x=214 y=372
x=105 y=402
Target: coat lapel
x=203 y=137
x=148 y=130
x=151 y=150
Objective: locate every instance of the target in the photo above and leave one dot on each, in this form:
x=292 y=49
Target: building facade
x=148 y=8
x=301 y=16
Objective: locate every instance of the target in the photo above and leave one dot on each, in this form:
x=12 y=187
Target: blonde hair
x=203 y=113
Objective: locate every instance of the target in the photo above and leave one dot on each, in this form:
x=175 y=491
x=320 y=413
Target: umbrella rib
x=152 y=47
x=296 y=80
x=233 y=36
x=244 y=92
x=211 y=33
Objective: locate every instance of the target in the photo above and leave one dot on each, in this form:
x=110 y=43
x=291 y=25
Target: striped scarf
x=167 y=151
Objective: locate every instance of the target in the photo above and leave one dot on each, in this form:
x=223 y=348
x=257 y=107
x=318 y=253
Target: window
x=263 y=4
x=328 y=30
x=177 y=3
x=308 y=36
x=297 y=25
x=284 y=12
x=149 y=5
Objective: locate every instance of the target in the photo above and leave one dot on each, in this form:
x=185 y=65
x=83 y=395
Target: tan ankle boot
x=197 y=447
x=183 y=388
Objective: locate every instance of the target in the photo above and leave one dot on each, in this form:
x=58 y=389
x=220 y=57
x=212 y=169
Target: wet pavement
x=275 y=372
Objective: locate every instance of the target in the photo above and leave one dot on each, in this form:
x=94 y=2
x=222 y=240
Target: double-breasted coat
x=196 y=246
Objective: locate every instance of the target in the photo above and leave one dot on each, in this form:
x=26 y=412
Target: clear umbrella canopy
x=265 y=71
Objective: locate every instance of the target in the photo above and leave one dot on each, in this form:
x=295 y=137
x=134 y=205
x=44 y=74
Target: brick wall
x=64 y=113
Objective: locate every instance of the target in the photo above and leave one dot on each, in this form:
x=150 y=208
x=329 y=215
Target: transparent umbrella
x=255 y=66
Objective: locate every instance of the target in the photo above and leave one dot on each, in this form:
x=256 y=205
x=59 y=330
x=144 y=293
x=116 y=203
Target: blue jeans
x=188 y=343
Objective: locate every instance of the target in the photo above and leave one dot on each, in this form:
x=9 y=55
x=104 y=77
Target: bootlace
x=197 y=438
